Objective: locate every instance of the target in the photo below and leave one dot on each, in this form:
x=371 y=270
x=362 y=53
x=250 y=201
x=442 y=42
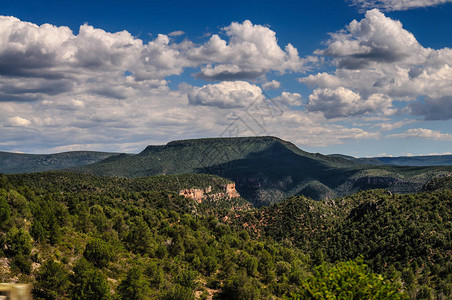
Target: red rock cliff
x=199 y=194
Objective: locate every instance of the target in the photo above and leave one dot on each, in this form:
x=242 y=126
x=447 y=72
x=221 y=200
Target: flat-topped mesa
x=226 y=140
x=200 y=194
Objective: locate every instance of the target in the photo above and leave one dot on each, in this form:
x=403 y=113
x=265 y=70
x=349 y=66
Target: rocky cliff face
x=231 y=192
x=201 y=194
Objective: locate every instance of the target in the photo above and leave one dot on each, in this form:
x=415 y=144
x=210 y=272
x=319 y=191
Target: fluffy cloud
x=394 y=5
x=226 y=94
x=378 y=56
x=342 y=102
x=287 y=98
x=424 y=134
x=38 y=62
x=53 y=60
x=64 y=90
x=251 y=52
x=236 y=94
x=52 y=52
x=375 y=39
x=271 y=85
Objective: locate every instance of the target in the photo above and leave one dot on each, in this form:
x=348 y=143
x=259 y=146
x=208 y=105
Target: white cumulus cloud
x=378 y=56
x=287 y=98
x=342 y=102
x=226 y=94
x=271 y=85
x=251 y=52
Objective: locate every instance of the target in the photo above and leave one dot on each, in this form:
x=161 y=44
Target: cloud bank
x=377 y=56
x=43 y=55
x=96 y=90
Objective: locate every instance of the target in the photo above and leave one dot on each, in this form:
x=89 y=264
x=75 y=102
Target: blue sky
x=357 y=77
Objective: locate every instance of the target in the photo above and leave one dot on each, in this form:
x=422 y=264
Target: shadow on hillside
x=277 y=172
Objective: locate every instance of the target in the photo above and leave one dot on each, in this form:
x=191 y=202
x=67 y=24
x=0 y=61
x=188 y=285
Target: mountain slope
x=27 y=163
x=265 y=169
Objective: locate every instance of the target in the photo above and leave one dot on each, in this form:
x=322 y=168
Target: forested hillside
x=86 y=237
x=266 y=169
x=407 y=236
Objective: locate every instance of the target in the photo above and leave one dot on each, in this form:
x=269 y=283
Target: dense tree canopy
x=85 y=237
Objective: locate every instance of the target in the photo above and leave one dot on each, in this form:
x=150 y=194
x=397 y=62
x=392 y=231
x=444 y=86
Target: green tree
x=178 y=292
x=134 y=286
x=240 y=287
x=38 y=232
x=140 y=239
x=348 y=280
x=18 y=242
x=5 y=212
x=155 y=274
x=52 y=281
x=98 y=252
x=187 y=278
x=88 y=283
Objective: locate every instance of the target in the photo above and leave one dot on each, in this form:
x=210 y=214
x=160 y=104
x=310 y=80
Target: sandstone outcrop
x=200 y=194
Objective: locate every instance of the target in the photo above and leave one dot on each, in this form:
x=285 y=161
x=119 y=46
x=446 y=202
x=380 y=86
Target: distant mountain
x=265 y=169
x=412 y=161
x=26 y=163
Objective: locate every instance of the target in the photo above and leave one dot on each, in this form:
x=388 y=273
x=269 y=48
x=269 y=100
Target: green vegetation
x=77 y=236
x=400 y=236
x=348 y=280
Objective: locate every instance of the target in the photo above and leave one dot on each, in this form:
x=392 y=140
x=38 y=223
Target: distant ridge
x=412 y=161
x=265 y=169
x=27 y=163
